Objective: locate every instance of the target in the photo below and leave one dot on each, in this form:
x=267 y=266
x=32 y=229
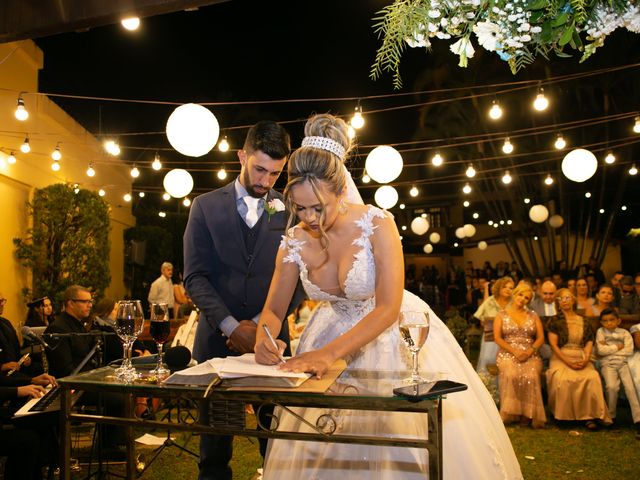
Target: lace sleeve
x=292 y=246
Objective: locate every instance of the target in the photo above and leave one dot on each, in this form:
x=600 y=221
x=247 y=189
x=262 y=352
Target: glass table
x=354 y=390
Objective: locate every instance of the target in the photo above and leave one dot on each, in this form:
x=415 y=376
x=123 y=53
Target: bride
x=349 y=257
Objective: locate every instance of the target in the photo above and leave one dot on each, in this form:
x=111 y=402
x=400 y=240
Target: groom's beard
x=256 y=191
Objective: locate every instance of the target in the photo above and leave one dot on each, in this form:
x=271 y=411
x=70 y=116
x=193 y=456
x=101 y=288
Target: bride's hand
x=317 y=362
x=266 y=353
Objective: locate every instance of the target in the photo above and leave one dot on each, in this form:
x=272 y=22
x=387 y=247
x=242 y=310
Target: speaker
x=138 y=248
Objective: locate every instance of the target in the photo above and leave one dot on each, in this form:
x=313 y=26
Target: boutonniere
x=274 y=206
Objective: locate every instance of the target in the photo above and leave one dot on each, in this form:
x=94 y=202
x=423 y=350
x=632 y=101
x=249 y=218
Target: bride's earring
x=343 y=207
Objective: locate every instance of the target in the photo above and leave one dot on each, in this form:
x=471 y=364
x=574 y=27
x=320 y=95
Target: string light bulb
x=495 y=112
x=506 y=178
x=527 y=200
x=466 y=189
x=402 y=206
x=610 y=158
x=141 y=194
x=507 y=147
x=351 y=132
x=130 y=23
x=101 y=192
x=633 y=170
x=587 y=194
x=166 y=197
x=357 y=121
x=636 y=125
x=414 y=192
x=541 y=102
x=186 y=202
x=548 y=180
x=112 y=147
x=127 y=197
x=162 y=214
x=437 y=160
x=223 y=145
x=222 y=173
x=11 y=159
x=56 y=154
x=134 y=172
x=476 y=215
x=471 y=172
x=55 y=166
x=466 y=203
x=560 y=142
x=91 y=171
x=365 y=177
x=21 y=112
x=156 y=164
x=25 y=147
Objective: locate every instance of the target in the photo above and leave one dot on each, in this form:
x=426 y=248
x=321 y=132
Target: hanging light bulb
x=466 y=203
x=55 y=166
x=623 y=208
x=414 y=192
x=130 y=23
x=471 y=172
x=540 y=103
x=56 y=154
x=223 y=145
x=21 y=112
x=166 y=197
x=156 y=164
x=11 y=159
x=587 y=194
x=495 y=112
x=162 y=214
x=134 y=172
x=141 y=194
x=506 y=178
x=560 y=142
x=90 y=171
x=127 y=197
x=437 y=160
x=402 y=206
x=186 y=202
x=101 y=192
x=507 y=147
x=112 y=147
x=476 y=215
x=548 y=180
x=636 y=125
x=610 y=158
x=527 y=200
x=222 y=173
x=351 y=132
x=466 y=189
x=365 y=177
x=25 y=147
x=357 y=121
x=633 y=170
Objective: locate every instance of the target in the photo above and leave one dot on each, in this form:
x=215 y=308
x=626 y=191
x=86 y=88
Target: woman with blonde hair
x=573 y=384
x=519 y=334
x=349 y=258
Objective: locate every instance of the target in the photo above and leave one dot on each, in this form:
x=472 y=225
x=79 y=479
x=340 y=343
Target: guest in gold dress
x=519 y=333
x=573 y=384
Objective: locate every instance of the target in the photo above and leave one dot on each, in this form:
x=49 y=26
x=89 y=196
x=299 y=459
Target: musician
x=10 y=350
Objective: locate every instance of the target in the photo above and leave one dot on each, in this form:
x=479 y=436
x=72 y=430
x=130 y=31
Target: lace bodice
x=361 y=277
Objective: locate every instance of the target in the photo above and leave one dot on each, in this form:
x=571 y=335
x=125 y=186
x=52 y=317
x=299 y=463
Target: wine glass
x=414 y=330
x=160 y=327
x=129 y=323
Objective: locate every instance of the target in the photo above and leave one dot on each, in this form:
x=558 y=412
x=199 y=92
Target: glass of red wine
x=159 y=328
x=129 y=323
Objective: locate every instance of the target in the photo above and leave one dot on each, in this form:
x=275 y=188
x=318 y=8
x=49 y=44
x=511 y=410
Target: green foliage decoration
x=68 y=243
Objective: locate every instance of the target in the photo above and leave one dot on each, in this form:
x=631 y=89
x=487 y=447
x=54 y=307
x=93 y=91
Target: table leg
x=65 y=433
x=440 y=473
x=129 y=405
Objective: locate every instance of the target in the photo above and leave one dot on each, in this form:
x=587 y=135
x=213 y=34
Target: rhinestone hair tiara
x=324 y=143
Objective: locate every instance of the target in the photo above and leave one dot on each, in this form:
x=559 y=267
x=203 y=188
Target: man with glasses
x=629 y=300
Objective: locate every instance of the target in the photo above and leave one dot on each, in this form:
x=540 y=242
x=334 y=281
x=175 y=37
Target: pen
x=273 y=342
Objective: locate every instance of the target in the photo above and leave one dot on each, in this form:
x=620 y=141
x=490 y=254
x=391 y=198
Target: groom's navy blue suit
x=228 y=268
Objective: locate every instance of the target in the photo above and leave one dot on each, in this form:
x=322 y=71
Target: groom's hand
x=243 y=337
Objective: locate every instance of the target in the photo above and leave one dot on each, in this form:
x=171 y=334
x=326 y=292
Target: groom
x=230 y=246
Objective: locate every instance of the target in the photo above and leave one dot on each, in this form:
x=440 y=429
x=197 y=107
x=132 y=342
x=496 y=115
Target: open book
x=238 y=371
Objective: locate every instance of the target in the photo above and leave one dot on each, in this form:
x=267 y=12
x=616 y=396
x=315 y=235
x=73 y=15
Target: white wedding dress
x=476 y=445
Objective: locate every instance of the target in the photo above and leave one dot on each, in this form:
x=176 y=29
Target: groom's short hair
x=269 y=138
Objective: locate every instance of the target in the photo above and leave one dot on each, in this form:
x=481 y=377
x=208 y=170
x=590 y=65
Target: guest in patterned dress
x=573 y=384
x=519 y=333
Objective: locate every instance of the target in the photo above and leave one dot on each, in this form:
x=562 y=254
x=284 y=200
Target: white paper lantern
x=556 y=221
x=386 y=196
x=384 y=164
x=192 y=130
x=419 y=225
x=579 y=165
x=469 y=230
x=178 y=183
x=428 y=248
x=538 y=213
x=434 y=237
x=482 y=245
x=460 y=232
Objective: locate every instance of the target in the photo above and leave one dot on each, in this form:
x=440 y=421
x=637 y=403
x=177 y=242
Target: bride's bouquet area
x=517 y=30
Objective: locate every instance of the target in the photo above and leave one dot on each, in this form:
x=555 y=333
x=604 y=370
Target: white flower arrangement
x=517 y=30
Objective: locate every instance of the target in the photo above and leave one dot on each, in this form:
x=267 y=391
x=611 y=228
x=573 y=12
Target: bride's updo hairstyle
x=316 y=161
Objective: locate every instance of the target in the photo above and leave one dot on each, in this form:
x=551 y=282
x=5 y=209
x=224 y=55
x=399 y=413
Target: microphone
x=177 y=357
x=31 y=335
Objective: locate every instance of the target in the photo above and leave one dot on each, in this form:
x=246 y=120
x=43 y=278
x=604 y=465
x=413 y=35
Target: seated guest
x=614 y=345
x=40 y=312
x=573 y=384
x=519 y=334
x=571 y=285
x=544 y=303
x=615 y=284
x=584 y=301
x=604 y=299
x=557 y=279
x=629 y=300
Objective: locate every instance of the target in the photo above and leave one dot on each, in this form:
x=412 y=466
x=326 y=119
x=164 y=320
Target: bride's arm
x=283 y=285
x=389 y=264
